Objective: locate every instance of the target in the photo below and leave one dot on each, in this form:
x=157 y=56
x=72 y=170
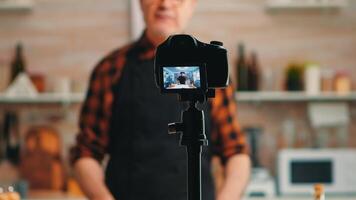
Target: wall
x=62 y=35
x=322 y=37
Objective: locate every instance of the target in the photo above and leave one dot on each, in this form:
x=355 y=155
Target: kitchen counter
x=302 y=198
x=277 y=198
x=51 y=195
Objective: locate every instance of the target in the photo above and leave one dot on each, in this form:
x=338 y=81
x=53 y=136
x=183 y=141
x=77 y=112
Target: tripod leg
x=194 y=172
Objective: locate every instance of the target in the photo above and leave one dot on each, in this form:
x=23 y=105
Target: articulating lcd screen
x=187 y=77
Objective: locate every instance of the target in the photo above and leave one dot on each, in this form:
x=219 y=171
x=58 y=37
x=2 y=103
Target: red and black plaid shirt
x=93 y=138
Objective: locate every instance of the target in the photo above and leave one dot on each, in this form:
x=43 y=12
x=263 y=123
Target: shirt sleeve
x=226 y=135
x=92 y=139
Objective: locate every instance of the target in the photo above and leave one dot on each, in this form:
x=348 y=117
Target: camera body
x=186 y=66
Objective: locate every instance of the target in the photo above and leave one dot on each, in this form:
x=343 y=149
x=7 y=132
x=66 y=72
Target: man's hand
x=237 y=173
x=90 y=177
x=104 y=198
x=227 y=196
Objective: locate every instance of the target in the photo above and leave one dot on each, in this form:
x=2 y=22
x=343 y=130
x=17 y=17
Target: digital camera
x=186 y=66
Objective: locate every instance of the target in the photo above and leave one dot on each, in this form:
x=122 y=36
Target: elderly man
x=125 y=117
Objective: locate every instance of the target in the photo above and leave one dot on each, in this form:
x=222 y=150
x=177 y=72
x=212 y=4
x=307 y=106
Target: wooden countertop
x=55 y=195
x=51 y=195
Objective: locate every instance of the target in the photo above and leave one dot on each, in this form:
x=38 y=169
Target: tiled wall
x=62 y=35
x=66 y=38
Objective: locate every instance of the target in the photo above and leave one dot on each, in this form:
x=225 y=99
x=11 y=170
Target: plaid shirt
x=93 y=138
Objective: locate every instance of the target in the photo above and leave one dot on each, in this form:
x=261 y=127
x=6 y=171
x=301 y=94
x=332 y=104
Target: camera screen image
x=186 y=77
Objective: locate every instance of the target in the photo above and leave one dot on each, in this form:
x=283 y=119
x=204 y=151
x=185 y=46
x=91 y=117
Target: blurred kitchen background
x=292 y=61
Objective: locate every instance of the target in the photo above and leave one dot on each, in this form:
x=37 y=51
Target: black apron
x=145 y=162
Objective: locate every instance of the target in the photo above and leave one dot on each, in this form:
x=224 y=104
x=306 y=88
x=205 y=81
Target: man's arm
x=229 y=143
x=237 y=173
x=93 y=137
x=90 y=176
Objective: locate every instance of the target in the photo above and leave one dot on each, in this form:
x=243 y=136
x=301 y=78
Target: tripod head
x=192 y=127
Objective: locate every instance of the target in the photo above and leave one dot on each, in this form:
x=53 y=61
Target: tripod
x=193 y=137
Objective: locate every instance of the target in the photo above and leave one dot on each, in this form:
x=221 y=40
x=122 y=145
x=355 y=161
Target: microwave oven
x=300 y=169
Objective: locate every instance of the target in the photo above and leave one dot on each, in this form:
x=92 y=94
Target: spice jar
x=327 y=80
x=342 y=83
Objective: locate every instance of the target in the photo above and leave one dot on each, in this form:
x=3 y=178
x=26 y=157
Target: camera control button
x=218 y=43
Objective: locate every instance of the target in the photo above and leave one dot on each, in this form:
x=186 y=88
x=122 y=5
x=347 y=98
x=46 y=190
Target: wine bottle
x=18 y=64
x=241 y=69
x=253 y=73
x=12 y=144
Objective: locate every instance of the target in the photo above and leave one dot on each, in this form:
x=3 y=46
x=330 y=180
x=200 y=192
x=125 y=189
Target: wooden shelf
x=44 y=98
x=292 y=97
x=74 y=98
x=16 y=5
x=305 y=4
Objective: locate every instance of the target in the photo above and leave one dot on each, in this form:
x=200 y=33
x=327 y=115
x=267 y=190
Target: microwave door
x=311 y=172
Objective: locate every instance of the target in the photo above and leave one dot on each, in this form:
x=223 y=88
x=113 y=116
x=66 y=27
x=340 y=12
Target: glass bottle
x=11 y=130
x=18 y=64
x=253 y=73
x=241 y=69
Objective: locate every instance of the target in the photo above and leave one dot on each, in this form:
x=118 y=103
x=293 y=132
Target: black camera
x=191 y=68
